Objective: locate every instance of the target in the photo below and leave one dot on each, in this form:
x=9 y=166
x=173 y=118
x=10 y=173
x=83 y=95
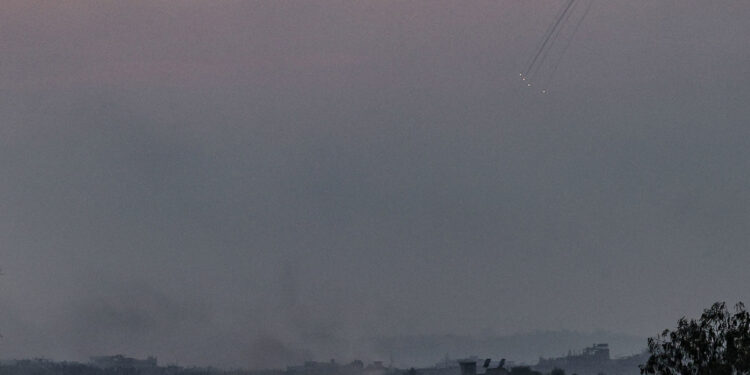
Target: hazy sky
x=230 y=182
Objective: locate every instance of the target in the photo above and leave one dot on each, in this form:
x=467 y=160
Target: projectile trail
x=540 y=46
x=549 y=36
x=556 y=63
x=553 y=38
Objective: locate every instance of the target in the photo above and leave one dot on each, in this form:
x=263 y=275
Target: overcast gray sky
x=227 y=181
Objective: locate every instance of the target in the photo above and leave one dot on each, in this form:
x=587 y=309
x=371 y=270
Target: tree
x=557 y=371
x=716 y=344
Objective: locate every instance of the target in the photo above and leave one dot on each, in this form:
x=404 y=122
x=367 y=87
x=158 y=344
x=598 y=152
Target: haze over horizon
x=236 y=183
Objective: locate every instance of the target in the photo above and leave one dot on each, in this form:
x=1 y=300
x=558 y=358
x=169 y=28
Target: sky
x=244 y=183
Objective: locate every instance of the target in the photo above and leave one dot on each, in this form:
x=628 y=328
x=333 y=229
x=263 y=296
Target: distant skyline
x=231 y=182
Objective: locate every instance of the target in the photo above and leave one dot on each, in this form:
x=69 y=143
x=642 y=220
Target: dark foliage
x=716 y=344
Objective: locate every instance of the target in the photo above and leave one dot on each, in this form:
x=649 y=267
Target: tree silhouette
x=716 y=344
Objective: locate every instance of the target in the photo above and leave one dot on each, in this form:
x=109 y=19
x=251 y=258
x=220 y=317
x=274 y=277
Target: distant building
x=592 y=361
x=376 y=368
x=121 y=361
x=444 y=367
x=356 y=367
x=469 y=367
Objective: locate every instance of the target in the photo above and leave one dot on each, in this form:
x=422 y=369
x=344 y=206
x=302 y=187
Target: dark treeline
x=49 y=367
